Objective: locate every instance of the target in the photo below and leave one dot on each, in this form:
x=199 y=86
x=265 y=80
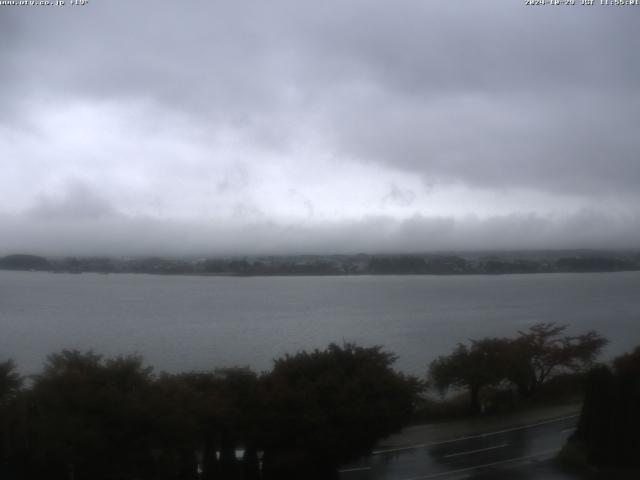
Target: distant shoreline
x=477 y=263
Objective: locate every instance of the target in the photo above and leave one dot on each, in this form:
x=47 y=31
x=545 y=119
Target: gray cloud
x=399 y=196
x=78 y=202
x=121 y=235
x=171 y=111
x=235 y=180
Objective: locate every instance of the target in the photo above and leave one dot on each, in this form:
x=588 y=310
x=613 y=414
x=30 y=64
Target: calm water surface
x=183 y=323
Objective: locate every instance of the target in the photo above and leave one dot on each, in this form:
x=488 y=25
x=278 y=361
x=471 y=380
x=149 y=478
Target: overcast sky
x=215 y=127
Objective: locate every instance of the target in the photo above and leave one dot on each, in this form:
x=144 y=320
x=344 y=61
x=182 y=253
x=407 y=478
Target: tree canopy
x=10 y=380
x=610 y=418
x=476 y=366
x=527 y=361
x=90 y=416
x=330 y=406
x=542 y=351
x=95 y=418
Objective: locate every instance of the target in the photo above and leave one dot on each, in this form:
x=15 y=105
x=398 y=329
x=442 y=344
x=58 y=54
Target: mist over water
x=197 y=323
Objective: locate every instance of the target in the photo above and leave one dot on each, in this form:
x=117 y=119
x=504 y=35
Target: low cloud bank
x=129 y=235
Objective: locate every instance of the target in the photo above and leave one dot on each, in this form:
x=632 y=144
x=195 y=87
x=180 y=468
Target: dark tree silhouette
x=610 y=420
x=527 y=361
x=476 y=366
x=10 y=386
x=327 y=407
x=541 y=352
x=90 y=417
x=225 y=409
x=397 y=265
x=10 y=381
x=24 y=262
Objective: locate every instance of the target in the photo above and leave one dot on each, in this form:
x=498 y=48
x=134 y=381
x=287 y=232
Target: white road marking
x=356 y=469
x=485 y=465
x=469 y=452
x=482 y=435
x=568 y=430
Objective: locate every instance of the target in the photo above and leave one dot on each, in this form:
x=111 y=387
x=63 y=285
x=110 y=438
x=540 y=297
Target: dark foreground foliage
x=610 y=420
x=86 y=417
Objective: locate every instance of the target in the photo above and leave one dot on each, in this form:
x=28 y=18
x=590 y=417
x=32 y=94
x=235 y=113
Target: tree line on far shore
x=89 y=417
x=432 y=264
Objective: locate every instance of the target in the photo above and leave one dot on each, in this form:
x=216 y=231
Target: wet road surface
x=524 y=452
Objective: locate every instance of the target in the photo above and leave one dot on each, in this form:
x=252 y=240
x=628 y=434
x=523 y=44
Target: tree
x=328 y=407
x=527 y=361
x=10 y=381
x=10 y=385
x=397 y=265
x=541 y=352
x=476 y=366
x=179 y=405
x=201 y=420
x=610 y=418
x=24 y=262
x=90 y=418
x=225 y=409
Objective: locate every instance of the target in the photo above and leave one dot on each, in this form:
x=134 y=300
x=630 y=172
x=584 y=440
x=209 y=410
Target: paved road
x=518 y=452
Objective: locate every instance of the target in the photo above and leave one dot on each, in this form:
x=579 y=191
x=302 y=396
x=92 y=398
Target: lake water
x=184 y=323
